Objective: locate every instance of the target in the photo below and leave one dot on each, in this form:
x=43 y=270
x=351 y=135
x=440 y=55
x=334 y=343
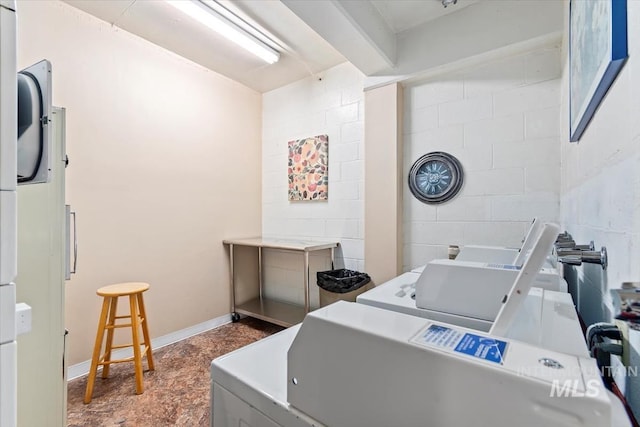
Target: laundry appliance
x=353 y=364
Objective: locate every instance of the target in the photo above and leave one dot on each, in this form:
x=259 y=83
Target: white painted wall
x=501 y=120
x=600 y=192
x=330 y=103
x=164 y=164
x=383 y=210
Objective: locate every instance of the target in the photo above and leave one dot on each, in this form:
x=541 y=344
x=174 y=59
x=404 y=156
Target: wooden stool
x=107 y=323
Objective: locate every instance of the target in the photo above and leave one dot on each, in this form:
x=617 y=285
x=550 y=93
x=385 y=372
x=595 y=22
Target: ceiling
x=406 y=14
x=380 y=37
x=304 y=52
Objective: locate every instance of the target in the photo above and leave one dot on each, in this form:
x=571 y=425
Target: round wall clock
x=435 y=177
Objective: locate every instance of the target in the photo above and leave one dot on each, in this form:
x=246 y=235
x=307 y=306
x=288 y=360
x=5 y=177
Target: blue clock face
x=435 y=177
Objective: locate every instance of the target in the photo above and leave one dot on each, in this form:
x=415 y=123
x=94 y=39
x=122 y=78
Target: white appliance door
x=8 y=99
x=8 y=382
x=40 y=284
x=8 y=131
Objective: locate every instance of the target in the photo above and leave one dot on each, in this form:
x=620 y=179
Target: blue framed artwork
x=597 y=52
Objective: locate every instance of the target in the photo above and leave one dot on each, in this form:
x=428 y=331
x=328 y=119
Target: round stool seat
x=120 y=289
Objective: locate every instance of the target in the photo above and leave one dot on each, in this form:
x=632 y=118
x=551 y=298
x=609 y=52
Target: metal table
x=273 y=311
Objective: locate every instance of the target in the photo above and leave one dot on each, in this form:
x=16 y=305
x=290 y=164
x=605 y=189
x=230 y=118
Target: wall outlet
x=23 y=318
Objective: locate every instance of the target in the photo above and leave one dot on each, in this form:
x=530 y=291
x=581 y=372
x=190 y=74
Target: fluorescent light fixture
x=238 y=32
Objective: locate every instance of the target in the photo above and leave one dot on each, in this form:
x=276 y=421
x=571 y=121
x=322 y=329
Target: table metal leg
x=306 y=282
x=260 y=271
x=333 y=258
x=233 y=289
x=234 y=316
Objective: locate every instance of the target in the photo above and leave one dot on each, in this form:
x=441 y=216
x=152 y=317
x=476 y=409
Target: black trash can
x=342 y=285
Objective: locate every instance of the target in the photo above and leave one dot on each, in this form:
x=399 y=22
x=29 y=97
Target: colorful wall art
x=308 y=168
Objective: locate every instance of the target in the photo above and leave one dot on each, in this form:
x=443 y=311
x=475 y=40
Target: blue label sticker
x=482 y=347
x=440 y=336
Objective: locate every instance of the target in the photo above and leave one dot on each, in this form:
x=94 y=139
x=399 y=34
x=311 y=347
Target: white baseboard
x=82 y=368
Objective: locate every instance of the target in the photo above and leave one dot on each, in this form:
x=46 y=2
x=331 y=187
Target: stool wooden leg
x=96 y=351
x=145 y=331
x=135 y=327
x=110 y=328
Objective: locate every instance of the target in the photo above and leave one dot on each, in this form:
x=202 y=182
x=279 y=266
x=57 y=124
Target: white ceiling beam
x=354 y=28
x=367 y=20
x=475 y=30
x=358 y=31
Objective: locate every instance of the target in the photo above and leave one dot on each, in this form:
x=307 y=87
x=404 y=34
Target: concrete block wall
x=600 y=194
x=330 y=103
x=502 y=121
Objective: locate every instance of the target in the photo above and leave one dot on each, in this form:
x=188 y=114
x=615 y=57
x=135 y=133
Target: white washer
x=355 y=365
